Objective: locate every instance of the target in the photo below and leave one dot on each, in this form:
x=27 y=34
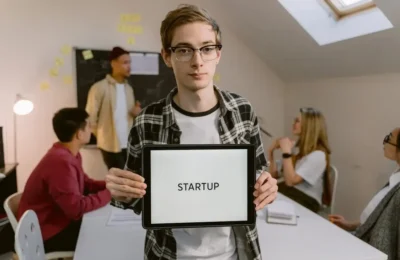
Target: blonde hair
x=314 y=137
x=182 y=15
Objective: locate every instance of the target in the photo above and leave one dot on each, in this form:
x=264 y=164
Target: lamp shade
x=23 y=107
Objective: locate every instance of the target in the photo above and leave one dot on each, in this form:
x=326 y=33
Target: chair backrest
x=11 y=205
x=334 y=176
x=28 y=238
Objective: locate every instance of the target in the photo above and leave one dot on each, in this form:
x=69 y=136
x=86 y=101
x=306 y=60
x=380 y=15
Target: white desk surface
x=314 y=238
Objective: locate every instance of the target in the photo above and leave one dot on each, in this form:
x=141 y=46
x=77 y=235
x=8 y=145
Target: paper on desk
x=123 y=217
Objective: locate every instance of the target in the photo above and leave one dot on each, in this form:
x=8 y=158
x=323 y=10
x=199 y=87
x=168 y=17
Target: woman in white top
x=304 y=173
x=391 y=149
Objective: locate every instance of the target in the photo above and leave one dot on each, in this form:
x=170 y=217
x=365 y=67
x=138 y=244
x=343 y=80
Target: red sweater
x=58 y=191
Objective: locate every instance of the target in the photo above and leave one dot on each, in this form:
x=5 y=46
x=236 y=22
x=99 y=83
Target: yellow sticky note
x=217 y=77
x=122 y=28
x=66 y=49
x=131 y=40
x=124 y=17
x=59 y=62
x=67 y=80
x=135 y=29
x=87 y=55
x=54 y=72
x=133 y=18
x=44 y=86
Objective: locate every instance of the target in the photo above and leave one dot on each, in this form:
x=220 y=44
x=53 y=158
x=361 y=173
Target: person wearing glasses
x=304 y=172
x=379 y=223
x=195 y=112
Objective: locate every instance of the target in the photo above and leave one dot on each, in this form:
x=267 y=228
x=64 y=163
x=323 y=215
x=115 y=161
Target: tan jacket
x=101 y=106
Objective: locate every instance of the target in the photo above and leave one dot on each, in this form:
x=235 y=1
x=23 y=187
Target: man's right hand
x=125 y=185
x=342 y=222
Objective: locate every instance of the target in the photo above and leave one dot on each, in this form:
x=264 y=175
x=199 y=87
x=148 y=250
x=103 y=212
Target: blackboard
x=147 y=88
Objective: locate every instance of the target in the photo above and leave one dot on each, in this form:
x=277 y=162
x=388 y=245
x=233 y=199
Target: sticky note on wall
x=54 y=72
x=66 y=49
x=122 y=28
x=87 y=55
x=44 y=86
x=131 y=40
x=59 y=62
x=135 y=29
x=127 y=28
x=132 y=18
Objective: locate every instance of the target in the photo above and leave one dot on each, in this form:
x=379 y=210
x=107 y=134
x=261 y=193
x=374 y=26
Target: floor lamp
x=21 y=107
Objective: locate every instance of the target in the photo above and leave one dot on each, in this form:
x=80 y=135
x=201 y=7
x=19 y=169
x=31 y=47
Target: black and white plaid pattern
x=156 y=124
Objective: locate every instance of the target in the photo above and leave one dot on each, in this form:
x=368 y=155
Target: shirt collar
x=223 y=98
x=394 y=178
x=59 y=146
x=112 y=81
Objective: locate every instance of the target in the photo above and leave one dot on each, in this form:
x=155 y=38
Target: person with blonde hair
x=305 y=173
x=194 y=112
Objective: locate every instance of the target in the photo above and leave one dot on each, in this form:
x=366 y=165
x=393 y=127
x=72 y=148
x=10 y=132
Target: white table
x=314 y=238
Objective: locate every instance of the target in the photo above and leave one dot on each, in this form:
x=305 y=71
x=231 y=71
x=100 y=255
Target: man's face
x=193 y=70
x=389 y=145
x=83 y=135
x=122 y=65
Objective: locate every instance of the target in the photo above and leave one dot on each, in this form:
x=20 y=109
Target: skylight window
x=347 y=7
x=350 y=2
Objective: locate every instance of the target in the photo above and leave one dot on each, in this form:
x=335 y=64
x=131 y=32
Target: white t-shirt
x=312 y=168
x=393 y=181
x=121 y=115
x=214 y=243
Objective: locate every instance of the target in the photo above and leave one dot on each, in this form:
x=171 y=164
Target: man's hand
x=125 y=185
x=135 y=111
x=340 y=221
x=266 y=190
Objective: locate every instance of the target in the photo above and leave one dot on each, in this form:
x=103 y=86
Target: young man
x=58 y=190
x=112 y=108
x=195 y=112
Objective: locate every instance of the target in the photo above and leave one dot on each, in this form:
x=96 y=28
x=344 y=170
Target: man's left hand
x=266 y=190
x=136 y=109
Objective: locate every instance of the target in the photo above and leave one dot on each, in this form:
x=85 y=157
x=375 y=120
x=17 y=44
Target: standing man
x=196 y=112
x=112 y=109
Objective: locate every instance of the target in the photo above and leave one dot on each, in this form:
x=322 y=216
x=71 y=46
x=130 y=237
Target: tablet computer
x=198 y=185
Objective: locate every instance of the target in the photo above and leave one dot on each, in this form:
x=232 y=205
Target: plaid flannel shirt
x=157 y=125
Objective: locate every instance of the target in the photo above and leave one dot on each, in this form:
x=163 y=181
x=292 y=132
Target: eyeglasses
x=207 y=53
x=387 y=140
x=309 y=110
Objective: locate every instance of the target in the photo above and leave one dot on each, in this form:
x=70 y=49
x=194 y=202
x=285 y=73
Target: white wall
x=33 y=33
x=360 y=112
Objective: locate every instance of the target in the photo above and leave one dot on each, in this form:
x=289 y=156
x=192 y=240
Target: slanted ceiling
x=273 y=34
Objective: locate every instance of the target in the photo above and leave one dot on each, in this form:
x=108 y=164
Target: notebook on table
x=281 y=212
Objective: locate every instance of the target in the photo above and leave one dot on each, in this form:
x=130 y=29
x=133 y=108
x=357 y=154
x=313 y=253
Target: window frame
x=349 y=10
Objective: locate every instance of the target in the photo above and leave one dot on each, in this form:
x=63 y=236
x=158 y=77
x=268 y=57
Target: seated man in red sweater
x=58 y=190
